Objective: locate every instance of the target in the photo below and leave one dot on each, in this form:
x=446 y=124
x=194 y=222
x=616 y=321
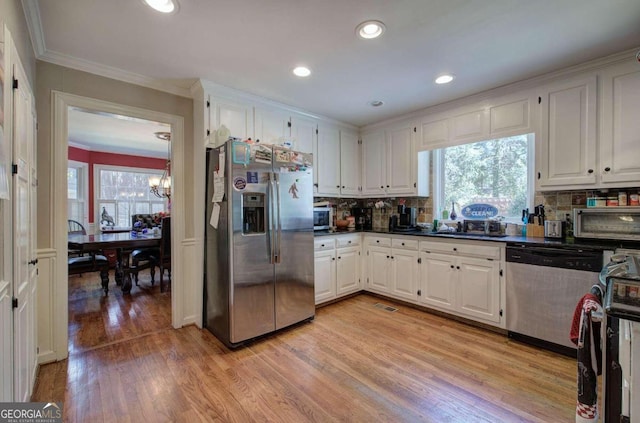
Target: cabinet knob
x=458 y=267
x=343 y=187
x=452 y=266
x=391 y=257
x=387 y=186
x=590 y=171
x=322 y=245
x=349 y=242
x=403 y=243
x=606 y=169
x=333 y=258
x=455 y=249
x=387 y=256
x=339 y=257
x=315 y=185
x=419 y=292
x=381 y=186
x=337 y=186
x=378 y=241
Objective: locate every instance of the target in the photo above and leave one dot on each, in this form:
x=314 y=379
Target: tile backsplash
x=558 y=204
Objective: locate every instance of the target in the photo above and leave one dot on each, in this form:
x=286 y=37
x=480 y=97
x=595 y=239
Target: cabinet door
x=379 y=269
x=437 y=283
x=374 y=168
x=303 y=133
x=479 y=288
x=348 y=270
x=469 y=127
x=435 y=134
x=234 y=116
x=328 y=161
x=325 y=275
x=404 y=279
x=349 y=164
x=272 y=126
x=400 y=161
x=620 y=139
x=568 y=134
x=510 y=117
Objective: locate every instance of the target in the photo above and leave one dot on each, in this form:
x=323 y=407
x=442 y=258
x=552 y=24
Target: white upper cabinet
x=389 y=161
x=498 y=117
x=374 y=164
x=349 y=163
x=328 y=161
x=235 y=117
x=401 y=161
x=303 y=133
x=567 y=144
x=272 y=126
x=435 y=133
x=620 y=126
x=471 y=126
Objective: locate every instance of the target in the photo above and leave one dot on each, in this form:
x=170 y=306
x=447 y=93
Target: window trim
x=116 y=168
x=438 y=174
x=83 y=181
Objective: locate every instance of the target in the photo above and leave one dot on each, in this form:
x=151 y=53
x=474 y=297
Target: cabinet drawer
x=470 y=250
x=407 y=244
x=324 y=243
x=379 y=241
x=347 y=241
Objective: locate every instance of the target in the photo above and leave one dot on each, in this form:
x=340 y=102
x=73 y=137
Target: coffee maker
x=364 y=217
x=406 y=218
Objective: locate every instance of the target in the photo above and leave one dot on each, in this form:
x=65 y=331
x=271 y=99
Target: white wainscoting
x=45 y=314
x=192 y=300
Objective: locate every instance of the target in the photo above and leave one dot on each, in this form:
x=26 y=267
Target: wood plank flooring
x=96 y=319
x=355 y=362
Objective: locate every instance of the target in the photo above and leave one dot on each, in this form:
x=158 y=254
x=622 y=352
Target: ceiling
x=252 y=45
x=97 y=131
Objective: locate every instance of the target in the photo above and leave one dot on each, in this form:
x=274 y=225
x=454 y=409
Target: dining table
x=123 y=242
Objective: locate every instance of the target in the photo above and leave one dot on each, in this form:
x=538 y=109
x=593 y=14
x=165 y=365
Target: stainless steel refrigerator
x=259 y=241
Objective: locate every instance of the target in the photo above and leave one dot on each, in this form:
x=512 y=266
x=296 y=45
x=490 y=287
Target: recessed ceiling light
x=370 y=29
x=164 y=6
x=444 y=79
x=302 y=71
x=376 y=103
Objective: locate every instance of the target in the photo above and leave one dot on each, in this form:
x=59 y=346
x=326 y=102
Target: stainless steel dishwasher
x=544 y=285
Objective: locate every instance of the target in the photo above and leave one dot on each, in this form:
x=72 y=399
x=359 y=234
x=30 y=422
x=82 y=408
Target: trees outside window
x=496 y=172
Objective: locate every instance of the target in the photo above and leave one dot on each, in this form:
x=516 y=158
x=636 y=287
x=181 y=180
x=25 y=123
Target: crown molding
x=113 y=73
x=34 y=24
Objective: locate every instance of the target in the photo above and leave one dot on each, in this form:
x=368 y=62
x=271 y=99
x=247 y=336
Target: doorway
x=61 y=105
x=113 y=160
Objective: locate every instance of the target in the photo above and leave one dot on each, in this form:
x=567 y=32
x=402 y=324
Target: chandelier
x=161 y=187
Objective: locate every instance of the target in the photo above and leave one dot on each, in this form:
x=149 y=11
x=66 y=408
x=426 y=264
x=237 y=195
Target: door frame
x=60 y=103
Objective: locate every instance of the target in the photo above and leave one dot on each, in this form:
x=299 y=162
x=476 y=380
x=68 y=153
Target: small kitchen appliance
x=621 y=223
x=554 y=229
x=364 y=217
x=406 y=218
x=322 y=218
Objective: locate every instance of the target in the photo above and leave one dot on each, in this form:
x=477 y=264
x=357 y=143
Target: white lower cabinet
x=337 y=266
x=392 y=266
x=464 y=279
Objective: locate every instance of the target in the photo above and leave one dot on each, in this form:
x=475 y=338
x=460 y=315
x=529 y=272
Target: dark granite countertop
x=570 y=242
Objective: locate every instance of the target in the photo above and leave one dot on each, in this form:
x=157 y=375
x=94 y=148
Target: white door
x=479 y=288
x=272 y=126
x=404 y=265
x=400 y=161
x=303 y=133
x=23 y=249
x=349 y=164
x=374 y=159
x=237 y=118
x=328 y=161
x=437 y=280
x=348 y=270
x=325 y=275
x=379 y=269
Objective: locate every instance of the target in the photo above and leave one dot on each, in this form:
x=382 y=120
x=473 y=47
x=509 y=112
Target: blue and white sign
x=479 y=211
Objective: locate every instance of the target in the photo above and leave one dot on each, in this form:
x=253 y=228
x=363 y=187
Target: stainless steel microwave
x=322 y=218
x=607 y=223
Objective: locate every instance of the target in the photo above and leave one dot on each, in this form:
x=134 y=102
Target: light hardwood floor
x=355 y=362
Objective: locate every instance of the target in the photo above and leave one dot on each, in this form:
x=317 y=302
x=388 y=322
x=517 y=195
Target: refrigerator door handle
x=272 y=240
x=278 y=221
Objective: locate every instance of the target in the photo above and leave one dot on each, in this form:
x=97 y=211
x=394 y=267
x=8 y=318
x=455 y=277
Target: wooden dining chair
x=75 y=228
x=91 y=263
x=164 y=258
